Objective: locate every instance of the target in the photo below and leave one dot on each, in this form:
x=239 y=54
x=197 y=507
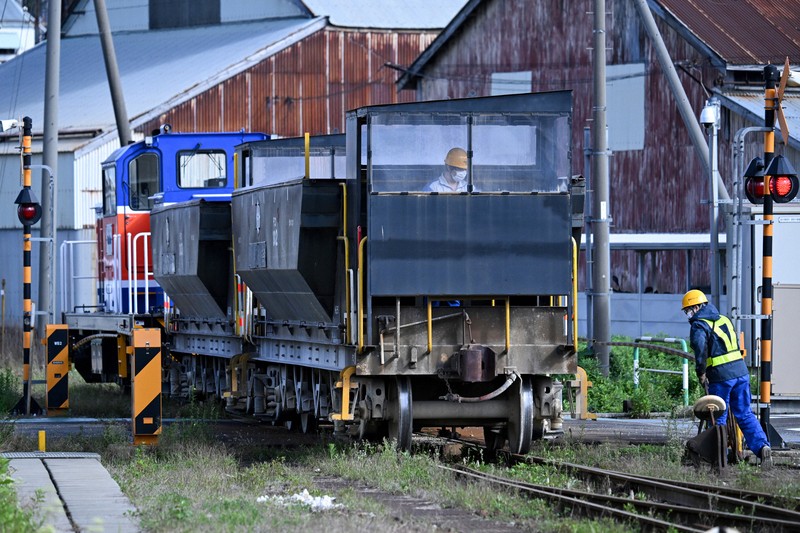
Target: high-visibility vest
x=723 y=329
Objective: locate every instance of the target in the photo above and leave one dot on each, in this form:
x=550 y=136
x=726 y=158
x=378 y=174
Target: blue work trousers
x=736 y=393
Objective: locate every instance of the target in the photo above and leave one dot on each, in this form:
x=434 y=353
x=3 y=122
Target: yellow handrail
x=361 y=294
x=430 y=325
x=575 y=293
x=344 y=239
x=508 y=323
x=308 y=154
x=235 y=170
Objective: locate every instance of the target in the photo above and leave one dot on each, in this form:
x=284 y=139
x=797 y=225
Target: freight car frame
x=365 y=300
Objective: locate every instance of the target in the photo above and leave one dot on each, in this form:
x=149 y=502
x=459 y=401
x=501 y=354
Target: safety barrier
x=684 y=370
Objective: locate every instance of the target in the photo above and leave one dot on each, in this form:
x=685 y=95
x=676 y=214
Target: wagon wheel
x=400 y=416
x=520 y=419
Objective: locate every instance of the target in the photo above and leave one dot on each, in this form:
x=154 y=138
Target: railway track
x=659 y=505
x=651 y=503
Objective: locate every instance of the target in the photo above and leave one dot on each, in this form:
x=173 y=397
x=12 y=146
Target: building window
x=511 y=83
x=625 y=106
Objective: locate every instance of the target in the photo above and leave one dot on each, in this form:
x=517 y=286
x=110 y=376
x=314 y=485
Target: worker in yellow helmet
x=454 y=176
x=720 y=366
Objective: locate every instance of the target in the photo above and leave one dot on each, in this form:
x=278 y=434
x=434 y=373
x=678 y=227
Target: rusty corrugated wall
x=660 y=188
x=307 y=87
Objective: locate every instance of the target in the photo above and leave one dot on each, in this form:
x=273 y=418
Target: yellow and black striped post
x=770 y=101
x=146 y=392
x=57 y=400
x=29 y=211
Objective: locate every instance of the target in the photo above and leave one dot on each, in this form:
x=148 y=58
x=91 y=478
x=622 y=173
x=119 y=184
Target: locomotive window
x=202 y=169
x=408 y=152
x=109 y=191
x=144 y=181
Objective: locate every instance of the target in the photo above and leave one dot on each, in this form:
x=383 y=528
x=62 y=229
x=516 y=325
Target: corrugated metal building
x=657 y=181
x=282 y=67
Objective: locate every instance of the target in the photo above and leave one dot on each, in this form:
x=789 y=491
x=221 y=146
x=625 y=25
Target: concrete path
x=76 y=492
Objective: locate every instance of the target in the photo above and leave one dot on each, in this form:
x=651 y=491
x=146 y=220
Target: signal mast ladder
x=684 y=369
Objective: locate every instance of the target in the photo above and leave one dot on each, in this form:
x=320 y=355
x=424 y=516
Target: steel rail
x=685 y=516
x=666 y=490
x=588 y=508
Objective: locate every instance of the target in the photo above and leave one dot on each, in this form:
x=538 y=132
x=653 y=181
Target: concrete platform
x=78 y=492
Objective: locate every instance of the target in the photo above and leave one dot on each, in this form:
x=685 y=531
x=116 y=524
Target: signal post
x=29 y=211
x=770 y=181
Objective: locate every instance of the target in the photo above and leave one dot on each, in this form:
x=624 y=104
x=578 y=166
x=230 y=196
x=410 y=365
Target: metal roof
x=158 y=70
x=743 y=32
x=408 y=79
x=731 y=32
x=750 y=104
x=394 y=14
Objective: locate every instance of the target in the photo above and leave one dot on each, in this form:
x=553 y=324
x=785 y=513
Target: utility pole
x=112 y=71
x=600 y=205
x=49 y=160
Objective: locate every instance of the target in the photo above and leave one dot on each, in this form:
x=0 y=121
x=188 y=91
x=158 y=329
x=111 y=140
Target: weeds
x=12 y=517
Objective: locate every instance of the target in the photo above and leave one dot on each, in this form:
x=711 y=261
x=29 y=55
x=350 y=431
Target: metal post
x=709 y=117
x=49 y=156
x=112 y=71
x=770 y=101
x=587 y=164
x=600 y=212
x=3 y=317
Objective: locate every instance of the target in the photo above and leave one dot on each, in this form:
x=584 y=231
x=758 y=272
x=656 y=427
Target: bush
x=10 y=390
x=657 y=392
x=12 y=517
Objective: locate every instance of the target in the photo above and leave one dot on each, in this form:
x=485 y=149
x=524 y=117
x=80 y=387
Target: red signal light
x=783 y=189
x=754 y=190
x=29 y=214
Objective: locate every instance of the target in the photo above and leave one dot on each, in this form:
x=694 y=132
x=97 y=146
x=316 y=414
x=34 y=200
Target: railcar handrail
x=361 y=295
x=133 y=272
x=68 y=273
x=575 y=294
x=345 y=240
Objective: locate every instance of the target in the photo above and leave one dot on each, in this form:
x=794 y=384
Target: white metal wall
x=88 y=184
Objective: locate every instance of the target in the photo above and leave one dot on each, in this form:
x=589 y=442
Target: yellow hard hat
x=456 y=157
x=693 y=297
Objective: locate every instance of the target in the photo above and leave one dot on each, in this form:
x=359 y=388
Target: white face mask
x=459 y=175
x=689 y=313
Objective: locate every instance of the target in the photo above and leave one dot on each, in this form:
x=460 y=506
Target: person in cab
x=454 y=176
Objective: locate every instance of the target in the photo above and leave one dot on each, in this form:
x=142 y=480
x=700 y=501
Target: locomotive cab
x=164 y=168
